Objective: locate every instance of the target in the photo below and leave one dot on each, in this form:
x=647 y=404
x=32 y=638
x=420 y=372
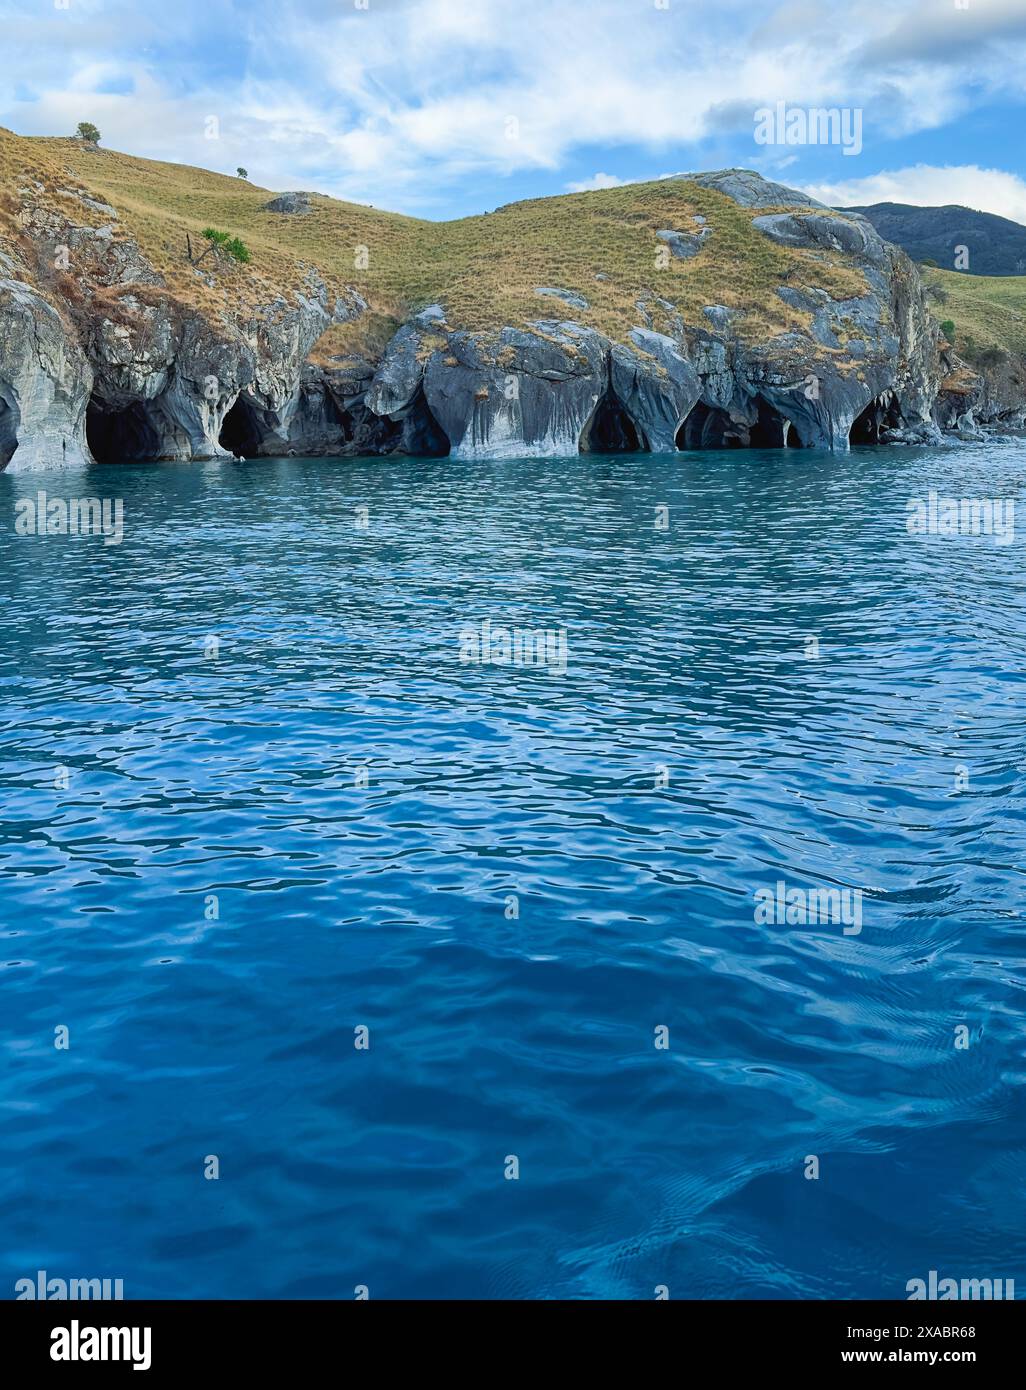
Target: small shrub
x=223 y=241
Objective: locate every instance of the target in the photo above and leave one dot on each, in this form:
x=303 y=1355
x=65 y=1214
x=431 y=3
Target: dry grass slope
x=482 y=269
x=988 y=311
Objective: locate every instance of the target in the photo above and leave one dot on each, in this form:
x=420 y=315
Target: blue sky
x=446 y=107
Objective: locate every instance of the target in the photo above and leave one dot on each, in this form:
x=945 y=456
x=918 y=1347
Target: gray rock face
x=719 y=316
x=292 y=204
x=571 y=297
x=656 y=385
x=137 y=375
x=45 y=382
x=398 y=380
x=521 y=391
x=87 y=200
x=685 y=245
x=751 y=190
x=987 y=399
x=853 y=235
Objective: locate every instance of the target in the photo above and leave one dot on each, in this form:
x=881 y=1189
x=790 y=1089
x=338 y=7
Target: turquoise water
x=513 y=876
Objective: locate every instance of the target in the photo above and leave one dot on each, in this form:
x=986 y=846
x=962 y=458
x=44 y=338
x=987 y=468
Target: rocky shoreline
x=86 y=376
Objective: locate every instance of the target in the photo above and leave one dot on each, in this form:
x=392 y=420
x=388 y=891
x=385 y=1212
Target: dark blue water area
x=514 y=876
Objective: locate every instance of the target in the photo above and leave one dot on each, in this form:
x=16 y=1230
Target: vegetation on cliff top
x=988 y=311
x=483 y=269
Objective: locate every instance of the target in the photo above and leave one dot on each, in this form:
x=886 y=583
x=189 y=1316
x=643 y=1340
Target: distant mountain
x=997 y=246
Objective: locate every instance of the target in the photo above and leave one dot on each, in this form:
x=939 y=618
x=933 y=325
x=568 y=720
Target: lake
x=572 y=878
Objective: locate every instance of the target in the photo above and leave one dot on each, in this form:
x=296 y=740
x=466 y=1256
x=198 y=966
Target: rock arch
x=771 y=429
x=610 y=429
x=880 y=416
x=10 y=421
x=242 y=432
x=709 y=427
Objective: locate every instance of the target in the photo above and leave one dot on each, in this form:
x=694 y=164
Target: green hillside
x=988 y=311
x=484 y=270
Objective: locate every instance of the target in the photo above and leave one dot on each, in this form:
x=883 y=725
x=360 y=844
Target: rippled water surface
x=365 y=809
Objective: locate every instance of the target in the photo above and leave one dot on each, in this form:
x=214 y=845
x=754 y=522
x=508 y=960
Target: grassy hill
x=482 y=269
x=988 y=311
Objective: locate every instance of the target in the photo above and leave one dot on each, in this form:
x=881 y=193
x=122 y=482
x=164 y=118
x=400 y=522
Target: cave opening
x=709 y=427
x=10 y=418
x=610 y=430
x=771 y=429
x=241 y=433
x=125 y=434
x=879 y=416
x=422 y=435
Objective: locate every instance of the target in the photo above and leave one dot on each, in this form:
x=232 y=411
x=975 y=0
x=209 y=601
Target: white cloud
x=928 y=185
x=400 y=102
x=596 y=181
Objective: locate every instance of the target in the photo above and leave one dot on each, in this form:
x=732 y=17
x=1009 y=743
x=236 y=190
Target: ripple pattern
x=217 y=867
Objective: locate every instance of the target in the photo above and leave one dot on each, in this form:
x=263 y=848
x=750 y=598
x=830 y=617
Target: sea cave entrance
x=771 y=429
x=126 y=434
x=708 y=427
x=610 y=430
x=241 y=433
x=880 y=415
x=10 y=419
x=423 y=436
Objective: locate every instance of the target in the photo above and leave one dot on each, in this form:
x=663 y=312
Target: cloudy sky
x=446 y=107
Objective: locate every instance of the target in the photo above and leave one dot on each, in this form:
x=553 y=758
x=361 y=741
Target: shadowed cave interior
x=122 y=435
x=9 y=421
x=240 y=433
x=610 y=430
x=880 y=415
x=322 y=426
x=709 y=427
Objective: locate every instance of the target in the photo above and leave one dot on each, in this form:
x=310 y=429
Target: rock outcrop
x=557 y=386
x=293 y=204
x=977 y=400
x=138 y=375
x=45 y=381
x=101 y=361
